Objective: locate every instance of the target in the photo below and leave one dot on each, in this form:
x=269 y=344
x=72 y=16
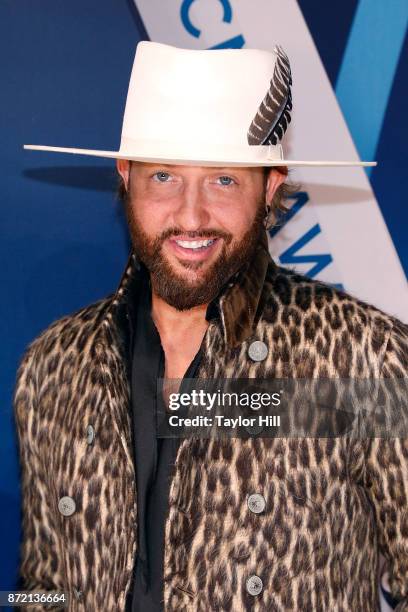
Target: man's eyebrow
x=156 y=165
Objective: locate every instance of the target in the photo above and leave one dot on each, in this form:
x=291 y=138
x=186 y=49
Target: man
x=193 y=228
x=120 y=519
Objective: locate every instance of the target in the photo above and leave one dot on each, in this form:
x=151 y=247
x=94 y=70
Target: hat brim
x=199 y=161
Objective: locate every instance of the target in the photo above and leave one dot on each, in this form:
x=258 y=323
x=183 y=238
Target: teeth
x=194 y=244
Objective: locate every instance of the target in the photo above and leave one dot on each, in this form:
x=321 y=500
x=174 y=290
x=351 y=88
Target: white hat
x=224 y=107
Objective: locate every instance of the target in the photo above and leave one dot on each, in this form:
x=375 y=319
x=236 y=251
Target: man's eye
x=226 y=180
x=161 y=176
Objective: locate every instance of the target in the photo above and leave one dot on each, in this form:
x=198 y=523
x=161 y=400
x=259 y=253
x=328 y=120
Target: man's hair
x=278 y=207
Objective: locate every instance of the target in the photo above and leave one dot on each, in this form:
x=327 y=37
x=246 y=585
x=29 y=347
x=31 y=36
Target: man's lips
x=194 y=249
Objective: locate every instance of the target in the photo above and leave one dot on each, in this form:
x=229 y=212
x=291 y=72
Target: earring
x=267 y=213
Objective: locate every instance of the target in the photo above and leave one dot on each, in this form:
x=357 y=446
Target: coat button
x=90 y=434
x=256 y=503
x=258 y=350
x=254 y=585
x=66 y=505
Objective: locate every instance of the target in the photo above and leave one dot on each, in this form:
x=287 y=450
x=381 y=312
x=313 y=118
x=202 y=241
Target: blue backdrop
x=64 y=243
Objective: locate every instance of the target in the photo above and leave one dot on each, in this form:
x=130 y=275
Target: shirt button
x=90 y=434
x=254 y=430
x=66 y=505
x=254 y=585
x=256 y=503
x=258 y=350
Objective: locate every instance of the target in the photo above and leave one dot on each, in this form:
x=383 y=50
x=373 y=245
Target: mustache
x=203 y=233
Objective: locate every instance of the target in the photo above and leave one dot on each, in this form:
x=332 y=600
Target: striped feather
x=273 y=116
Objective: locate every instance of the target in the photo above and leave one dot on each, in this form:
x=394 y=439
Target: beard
x=178 y=291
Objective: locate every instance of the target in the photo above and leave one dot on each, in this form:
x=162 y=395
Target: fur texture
x=331 y=504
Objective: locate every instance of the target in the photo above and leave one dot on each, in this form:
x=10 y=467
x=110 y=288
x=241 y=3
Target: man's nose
x=191 y=212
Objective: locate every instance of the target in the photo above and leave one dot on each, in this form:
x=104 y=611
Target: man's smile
x=193 y=249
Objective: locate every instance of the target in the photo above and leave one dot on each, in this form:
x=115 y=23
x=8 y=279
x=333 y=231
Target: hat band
x=198 y=150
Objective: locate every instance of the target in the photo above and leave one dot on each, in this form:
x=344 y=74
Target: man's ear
x=276 y=177
x=123 y=167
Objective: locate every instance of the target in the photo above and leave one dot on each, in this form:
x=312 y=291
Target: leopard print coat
x=331 y=504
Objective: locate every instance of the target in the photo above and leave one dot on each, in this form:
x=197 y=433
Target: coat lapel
x=239 y=302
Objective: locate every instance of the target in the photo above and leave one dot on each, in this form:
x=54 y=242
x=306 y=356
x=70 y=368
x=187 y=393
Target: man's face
x=193 y=227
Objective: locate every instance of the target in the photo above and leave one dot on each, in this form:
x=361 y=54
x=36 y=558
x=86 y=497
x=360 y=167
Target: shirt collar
x=238 y=305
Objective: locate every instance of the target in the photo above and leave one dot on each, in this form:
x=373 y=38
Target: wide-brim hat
x=223 y=107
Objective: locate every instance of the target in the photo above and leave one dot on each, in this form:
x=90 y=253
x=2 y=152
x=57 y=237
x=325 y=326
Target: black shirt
x=154 y=457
